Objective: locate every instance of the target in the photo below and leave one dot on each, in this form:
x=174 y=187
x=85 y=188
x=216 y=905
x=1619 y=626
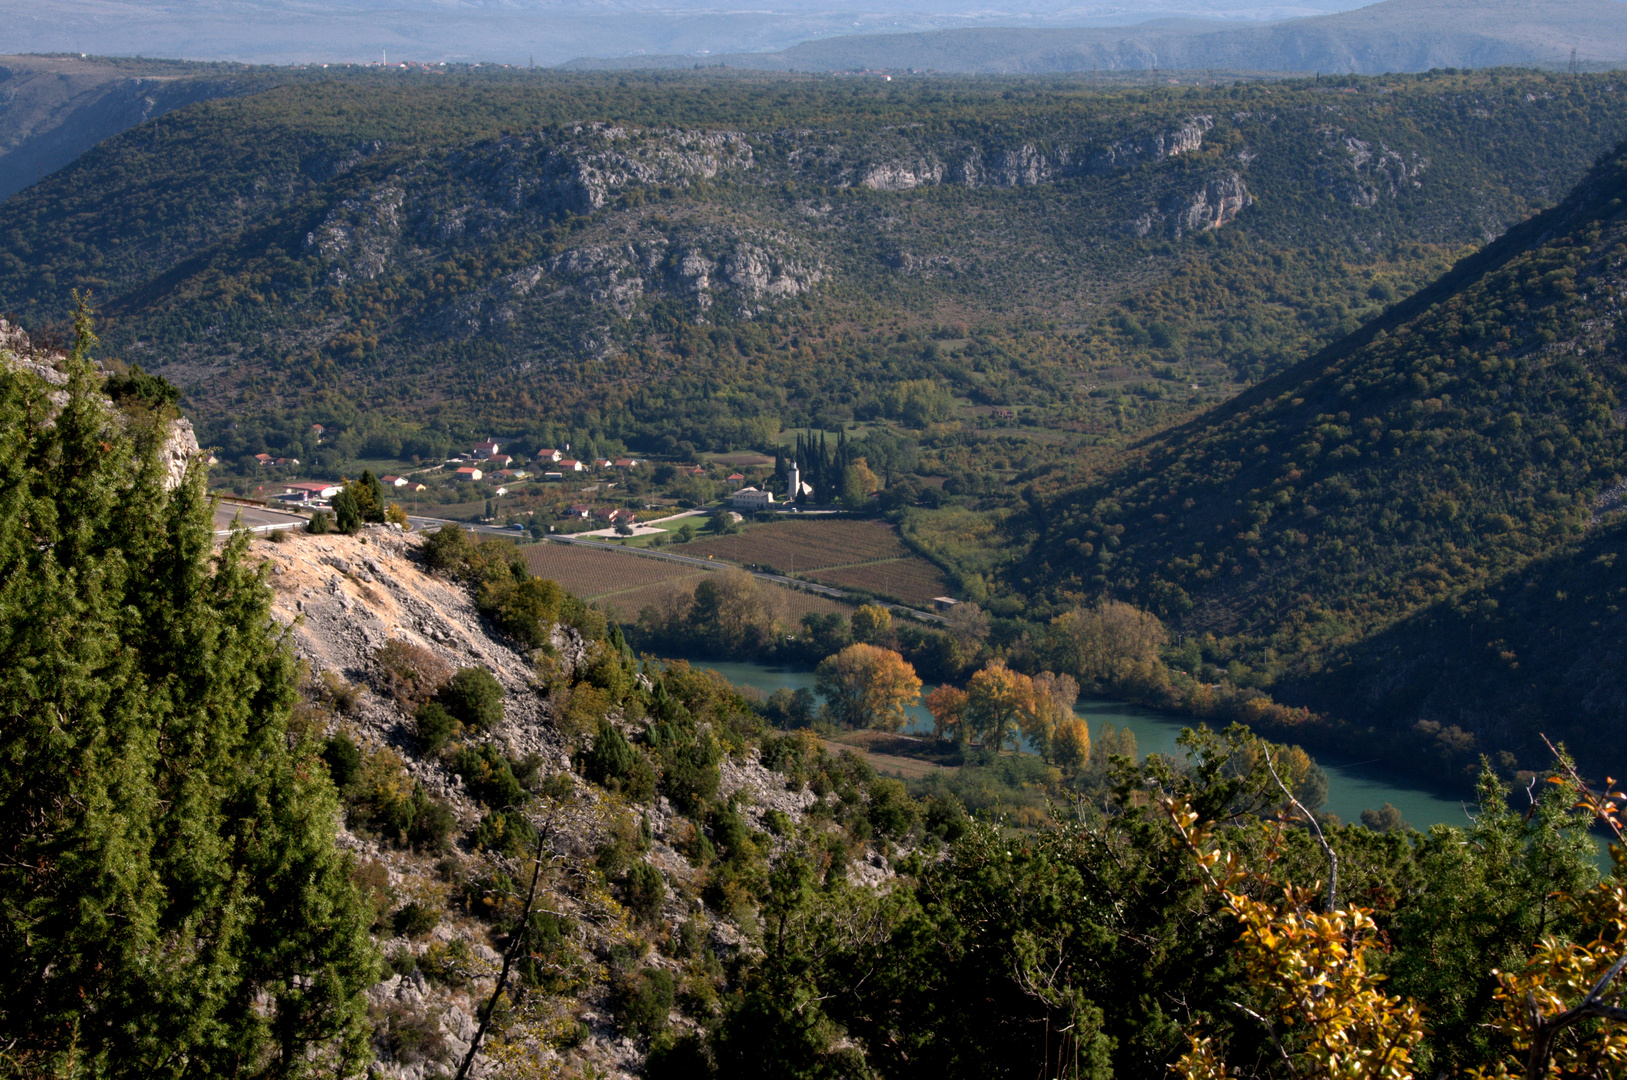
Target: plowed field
x=628 y=582
x=804 y=544
x=591 y=574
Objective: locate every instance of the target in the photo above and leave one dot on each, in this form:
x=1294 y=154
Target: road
x=256 y=519
x=691 y=560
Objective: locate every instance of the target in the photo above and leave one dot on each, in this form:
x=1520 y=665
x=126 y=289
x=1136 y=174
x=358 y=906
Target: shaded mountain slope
x=1434 y=453
x=1395 y=35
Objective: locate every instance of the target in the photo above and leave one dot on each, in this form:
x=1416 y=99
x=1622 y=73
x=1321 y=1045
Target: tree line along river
x=1353 y=786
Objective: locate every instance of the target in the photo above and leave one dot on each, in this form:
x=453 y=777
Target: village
x=549 y=491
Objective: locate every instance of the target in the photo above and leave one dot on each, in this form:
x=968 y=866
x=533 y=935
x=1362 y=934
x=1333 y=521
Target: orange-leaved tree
x=867 y=686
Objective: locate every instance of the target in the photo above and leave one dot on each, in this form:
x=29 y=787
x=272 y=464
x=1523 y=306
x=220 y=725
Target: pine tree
x=172 y=900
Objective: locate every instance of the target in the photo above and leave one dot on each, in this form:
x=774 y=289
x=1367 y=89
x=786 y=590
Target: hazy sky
x=550 y=31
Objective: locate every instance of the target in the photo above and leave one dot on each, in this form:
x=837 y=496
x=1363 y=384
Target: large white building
x=750 y=498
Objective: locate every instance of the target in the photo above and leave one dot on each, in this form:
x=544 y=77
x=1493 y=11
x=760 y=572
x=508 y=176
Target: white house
x=393 y=481
x=750 y=498
x=549 y=454
x=318 y=489
x=572 y=465
x=485 y=449
x=469 y=472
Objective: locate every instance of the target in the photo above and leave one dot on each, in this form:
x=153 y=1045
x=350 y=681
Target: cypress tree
x=172 y=900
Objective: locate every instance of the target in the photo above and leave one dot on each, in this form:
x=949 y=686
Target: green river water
x=1353 y=786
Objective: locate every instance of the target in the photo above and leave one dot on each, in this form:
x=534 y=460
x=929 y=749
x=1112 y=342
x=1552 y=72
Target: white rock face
x=17 y=351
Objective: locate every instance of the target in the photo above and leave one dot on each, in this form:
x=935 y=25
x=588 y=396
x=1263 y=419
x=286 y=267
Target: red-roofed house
x=625 y=463
x=485 y=449
x=500 y=460
x=315 y=489
x=549 y=454
x=469 y=472
x=571 y=465
x=265 y=459
x=287 y=462
x=393 y=481
x=736 y=479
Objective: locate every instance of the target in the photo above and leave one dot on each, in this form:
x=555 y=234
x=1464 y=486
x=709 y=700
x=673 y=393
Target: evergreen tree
x=172 y=901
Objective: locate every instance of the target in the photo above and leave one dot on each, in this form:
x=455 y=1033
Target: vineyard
x=626 y=583
x=806 y=544
x=592 y=574
x=911 y=580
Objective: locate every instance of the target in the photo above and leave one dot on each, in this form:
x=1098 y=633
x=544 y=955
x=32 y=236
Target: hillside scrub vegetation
x=1423 y=469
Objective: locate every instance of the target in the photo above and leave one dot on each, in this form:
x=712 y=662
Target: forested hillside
x=706 y=258
x=1449 y=479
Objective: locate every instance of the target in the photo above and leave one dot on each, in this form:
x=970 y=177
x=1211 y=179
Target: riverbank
x=1353 y=785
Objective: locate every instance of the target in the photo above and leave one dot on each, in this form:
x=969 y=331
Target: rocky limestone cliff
x=179 y=449
x=342 y=598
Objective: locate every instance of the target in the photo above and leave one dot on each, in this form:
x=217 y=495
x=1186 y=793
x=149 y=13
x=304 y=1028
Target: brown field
x=591 y=574
x=629 y=582
x=912 y=579
x=806 y=544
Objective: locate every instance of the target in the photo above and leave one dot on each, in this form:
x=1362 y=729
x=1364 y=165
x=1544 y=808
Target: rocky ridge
x=342 y=598
x=179 y=450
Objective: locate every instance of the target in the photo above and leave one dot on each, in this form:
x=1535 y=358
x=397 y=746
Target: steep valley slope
x=1415 y=528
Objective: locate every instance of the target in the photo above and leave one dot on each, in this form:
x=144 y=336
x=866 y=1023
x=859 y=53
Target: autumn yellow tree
x=866 y=686
x=997 y=702
x=1070 y=744
x=872 y=624
x=1098 y=642
x=1052 y=706
x=947 y=704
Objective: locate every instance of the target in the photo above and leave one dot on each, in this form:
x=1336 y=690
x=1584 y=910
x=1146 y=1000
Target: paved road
x=256 y=519
x=422 y=523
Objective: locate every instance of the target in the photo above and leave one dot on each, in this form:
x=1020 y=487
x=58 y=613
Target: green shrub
x=415 y=920
x=645 y=890
x=644 y=1000
x=434 y=726
x=616 y=765
x=489 y=776
x=504 y=831
x=474 y=697
x=892 y=811
x=343 y=758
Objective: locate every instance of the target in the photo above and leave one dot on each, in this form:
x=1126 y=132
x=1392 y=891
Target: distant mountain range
x=1393 y=36
x=546 y=32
